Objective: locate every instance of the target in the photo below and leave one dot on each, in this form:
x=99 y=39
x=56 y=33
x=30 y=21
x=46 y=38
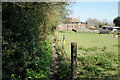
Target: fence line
x=63 y=46
x=63 y=50
x=73 y=60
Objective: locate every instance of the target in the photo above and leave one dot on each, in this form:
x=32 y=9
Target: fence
x=73 y=60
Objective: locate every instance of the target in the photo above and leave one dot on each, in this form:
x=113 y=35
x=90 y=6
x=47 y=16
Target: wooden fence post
x=73 y=61
x=63 y=46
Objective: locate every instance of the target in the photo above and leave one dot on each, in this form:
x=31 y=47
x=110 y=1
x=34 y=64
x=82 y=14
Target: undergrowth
x=100 y=64
x=65 y=70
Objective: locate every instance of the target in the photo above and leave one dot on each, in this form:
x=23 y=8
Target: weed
x=93 y=69
x=80 y=48
x=80 y=58
x=104 y=48
x=88 y=49
x=59 y=48
x=65 y=70
x=99 y=58
x=93 y=48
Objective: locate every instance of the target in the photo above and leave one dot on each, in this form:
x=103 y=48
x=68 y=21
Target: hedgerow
x=26 y=45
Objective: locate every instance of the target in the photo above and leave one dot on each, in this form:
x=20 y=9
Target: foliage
x=59 y=48
x=100 y=25
x=93 y=22
x=98 y=64
x=97 y=23
x=116 y=21
x=26 y=47
x=65 y=69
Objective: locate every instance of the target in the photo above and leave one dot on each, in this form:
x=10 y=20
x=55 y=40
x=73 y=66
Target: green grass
x=97 y=54
x=90 y=40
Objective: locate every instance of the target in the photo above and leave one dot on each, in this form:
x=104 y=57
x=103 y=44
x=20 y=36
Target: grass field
x=97 y=53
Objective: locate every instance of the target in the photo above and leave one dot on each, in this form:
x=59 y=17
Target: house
x=70 y=24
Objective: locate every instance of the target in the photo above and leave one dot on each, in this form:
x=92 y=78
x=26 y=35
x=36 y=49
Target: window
x=79 y=23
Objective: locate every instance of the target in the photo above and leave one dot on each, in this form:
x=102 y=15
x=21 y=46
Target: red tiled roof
x=72 y=20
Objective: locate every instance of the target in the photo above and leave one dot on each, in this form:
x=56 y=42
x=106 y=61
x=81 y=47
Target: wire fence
x=73 y=60
x=61 y=41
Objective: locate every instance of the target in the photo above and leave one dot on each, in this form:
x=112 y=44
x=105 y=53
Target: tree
x=116 y=21
x=93 y=22
x=25 y=50
x=100 y=25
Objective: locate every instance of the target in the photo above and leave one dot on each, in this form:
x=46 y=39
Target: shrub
x=26 y=51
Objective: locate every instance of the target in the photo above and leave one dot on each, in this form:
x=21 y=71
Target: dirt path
x=54 y=70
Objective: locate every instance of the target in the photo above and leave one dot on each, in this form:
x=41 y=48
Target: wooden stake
x=74 y=61
x=63 y=47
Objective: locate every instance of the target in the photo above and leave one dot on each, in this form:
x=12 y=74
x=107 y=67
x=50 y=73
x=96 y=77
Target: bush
x=34 y=66
x=26 y=51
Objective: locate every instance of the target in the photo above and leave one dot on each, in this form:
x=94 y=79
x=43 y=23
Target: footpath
x=54 y=69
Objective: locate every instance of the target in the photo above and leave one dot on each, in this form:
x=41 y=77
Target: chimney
x=78 y=17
